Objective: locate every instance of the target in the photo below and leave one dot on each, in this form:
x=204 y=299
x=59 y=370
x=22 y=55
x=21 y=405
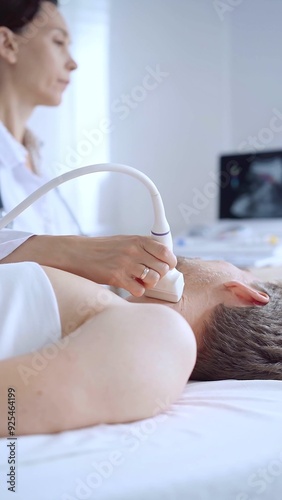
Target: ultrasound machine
x=248 y=229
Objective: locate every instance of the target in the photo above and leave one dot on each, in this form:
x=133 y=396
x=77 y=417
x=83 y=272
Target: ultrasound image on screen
x=251 y=186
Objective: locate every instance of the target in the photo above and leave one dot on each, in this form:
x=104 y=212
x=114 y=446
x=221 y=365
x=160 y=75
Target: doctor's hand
x=130 y=262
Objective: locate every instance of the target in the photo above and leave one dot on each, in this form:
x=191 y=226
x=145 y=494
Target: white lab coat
x=51 y=214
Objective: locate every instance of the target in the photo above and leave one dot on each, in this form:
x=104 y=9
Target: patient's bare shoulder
x=79 y=299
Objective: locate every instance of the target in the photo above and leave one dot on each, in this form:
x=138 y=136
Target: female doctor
x=35 y=69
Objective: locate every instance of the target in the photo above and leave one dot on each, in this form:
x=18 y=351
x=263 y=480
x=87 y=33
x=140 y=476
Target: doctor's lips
x=64 y=82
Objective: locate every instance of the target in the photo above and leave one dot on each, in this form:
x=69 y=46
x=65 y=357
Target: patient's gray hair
x=243 y=342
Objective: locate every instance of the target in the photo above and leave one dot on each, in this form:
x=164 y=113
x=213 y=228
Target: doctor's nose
x=72 y=65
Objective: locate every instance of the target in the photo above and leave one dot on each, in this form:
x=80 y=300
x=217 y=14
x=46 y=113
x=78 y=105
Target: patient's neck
x=191 y=309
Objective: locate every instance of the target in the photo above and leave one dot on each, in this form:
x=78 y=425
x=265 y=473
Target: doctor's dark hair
x=16 y=14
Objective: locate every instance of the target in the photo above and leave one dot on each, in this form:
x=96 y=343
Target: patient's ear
x=247 y=293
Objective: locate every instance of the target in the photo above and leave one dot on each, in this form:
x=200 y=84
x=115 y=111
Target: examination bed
x=219 y=441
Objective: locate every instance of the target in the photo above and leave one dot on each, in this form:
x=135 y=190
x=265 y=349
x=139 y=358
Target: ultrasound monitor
x=250 y=185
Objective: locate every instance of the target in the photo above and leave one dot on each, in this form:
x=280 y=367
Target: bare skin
x=114 y=260
x=119 y=359
x=207 y=284
x=33 y=70
x=116 y=362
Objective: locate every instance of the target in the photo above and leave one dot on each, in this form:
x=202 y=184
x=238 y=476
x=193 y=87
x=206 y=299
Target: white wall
x=66 y=130
x=256 y=73
x=225 y=75
x=224 y=80
x=176 y=132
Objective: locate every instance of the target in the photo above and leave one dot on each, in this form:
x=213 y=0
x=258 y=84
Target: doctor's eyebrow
x=63 y=32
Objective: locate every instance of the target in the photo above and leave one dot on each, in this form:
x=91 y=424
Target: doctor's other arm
x=117 y=261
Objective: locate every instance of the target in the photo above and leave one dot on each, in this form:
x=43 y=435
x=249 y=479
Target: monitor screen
x=250 y=185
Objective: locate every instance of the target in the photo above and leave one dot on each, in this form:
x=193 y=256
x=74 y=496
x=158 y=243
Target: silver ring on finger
x=145 y=273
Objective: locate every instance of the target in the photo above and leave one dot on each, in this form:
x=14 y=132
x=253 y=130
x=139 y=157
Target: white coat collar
x=12 y=153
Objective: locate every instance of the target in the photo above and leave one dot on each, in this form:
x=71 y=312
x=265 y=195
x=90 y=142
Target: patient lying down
x=124 y=360
x=231 y=312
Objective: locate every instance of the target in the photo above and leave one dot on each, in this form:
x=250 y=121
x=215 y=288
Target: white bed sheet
x=219 y=441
